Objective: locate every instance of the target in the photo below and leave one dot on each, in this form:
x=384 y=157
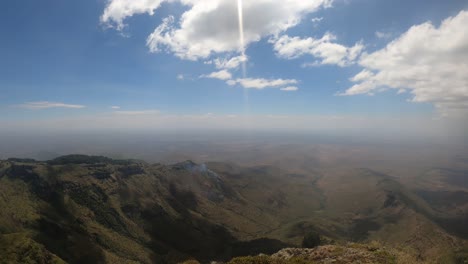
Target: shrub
x=311 y=240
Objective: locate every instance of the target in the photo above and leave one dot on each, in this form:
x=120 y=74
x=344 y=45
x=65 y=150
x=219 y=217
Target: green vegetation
x=19 y=248
x=92 y=209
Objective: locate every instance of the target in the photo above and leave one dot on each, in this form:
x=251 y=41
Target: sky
x=346 y=65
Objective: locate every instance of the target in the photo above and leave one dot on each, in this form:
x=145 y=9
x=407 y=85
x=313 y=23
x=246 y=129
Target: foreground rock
x=337 y=254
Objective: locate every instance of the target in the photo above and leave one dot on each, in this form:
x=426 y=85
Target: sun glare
x=240 y=15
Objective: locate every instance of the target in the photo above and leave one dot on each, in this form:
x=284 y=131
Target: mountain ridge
x=128 y=210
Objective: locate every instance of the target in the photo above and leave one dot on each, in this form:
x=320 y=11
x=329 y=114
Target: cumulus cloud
x=118 y=10
x=211 y=26
x=221 y=75
x=429 y=62
x=323 y=49
x=209 y=29
x=46 y=105
x=289 y=89
x=260 y=83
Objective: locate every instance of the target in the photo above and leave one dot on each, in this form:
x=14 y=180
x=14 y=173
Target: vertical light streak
x=240 y=17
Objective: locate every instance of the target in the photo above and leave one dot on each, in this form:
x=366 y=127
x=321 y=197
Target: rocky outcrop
x=337 y=254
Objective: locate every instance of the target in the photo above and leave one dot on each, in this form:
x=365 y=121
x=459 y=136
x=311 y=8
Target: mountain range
x=94 y=209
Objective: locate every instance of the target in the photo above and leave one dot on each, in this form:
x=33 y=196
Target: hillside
x=89 y=209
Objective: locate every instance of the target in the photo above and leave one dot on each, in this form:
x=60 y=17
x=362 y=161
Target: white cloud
x=289 y=89
x=138 y=112
x=363 y=75
x=118 y=10
x=46 y=104
x=115 y=107
x=180 y=77
x=316 y=21
x=323 y=49
x=383 y=35
x=212 y=27
x=221 y=75
x=311 y=64
x=261 y=83
x=228 y=63
x=209 y=29
x=429 y=62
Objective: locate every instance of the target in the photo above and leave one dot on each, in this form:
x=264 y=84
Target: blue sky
x=70 y=59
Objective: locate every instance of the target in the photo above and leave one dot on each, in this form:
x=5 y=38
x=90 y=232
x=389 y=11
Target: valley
x=80 y=208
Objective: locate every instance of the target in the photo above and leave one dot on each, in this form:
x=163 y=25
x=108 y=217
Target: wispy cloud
x=228 y=63
x=383 y=35
x=115 y=107
x=45 y=105
x=138 y=112
x=316 y=20
x=289 y=89
x=261 y=83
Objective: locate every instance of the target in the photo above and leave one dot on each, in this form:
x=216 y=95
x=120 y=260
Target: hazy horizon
x=376 y=69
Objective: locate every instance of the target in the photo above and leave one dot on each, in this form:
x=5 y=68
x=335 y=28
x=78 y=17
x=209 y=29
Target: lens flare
x=241 y=34
x=244 y=71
